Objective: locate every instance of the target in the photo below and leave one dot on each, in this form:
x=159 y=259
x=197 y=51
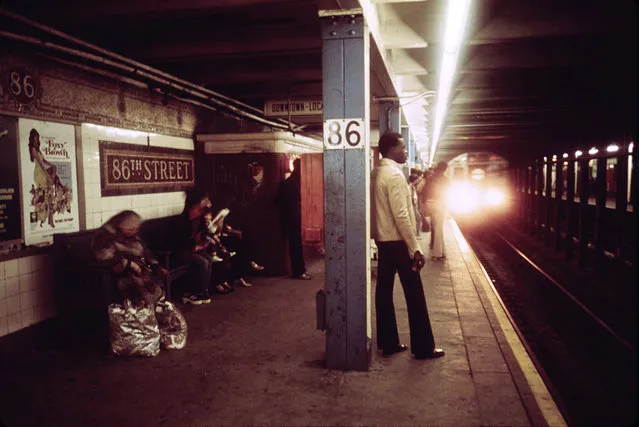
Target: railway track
x=587 y=359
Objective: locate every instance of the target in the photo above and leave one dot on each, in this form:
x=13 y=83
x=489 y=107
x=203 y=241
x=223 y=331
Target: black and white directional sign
x=344 y=134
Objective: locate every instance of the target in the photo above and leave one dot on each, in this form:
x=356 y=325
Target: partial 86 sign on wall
x=22 y=85
x=344 y=134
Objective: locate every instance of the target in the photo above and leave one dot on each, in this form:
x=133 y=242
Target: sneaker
x=255 y=266
x=242 y=282
x=216 y=258
x=303 y=276
x=196 y=299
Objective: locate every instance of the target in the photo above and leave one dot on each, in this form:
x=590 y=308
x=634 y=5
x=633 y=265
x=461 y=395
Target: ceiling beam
x=68 y=11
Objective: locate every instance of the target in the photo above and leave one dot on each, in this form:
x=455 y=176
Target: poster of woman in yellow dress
x=48 y=180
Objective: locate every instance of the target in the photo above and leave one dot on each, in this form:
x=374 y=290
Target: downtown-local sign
x=134 y=169
x=294 y=108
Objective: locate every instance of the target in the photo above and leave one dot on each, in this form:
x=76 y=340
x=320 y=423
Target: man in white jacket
x=393 y=228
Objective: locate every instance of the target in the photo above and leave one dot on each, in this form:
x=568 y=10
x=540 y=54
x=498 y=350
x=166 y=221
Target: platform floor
x=254 y=357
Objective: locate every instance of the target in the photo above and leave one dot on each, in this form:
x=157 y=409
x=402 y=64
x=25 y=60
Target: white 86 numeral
x=21 y=86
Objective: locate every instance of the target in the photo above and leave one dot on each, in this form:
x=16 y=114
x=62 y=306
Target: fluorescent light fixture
x=565 y=155
x=631 y=146
x=578 y=153
x=593 y=151
x=612 y=148
x=455 y=25
x=545 y=159
x=554 y=157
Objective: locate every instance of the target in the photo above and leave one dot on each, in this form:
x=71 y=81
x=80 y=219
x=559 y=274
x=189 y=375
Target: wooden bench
x=84 y=285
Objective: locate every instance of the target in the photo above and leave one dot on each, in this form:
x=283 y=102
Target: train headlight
x=494 y=197
x=462 y=197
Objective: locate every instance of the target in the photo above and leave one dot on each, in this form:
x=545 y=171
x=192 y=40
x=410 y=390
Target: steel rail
x=567 y=293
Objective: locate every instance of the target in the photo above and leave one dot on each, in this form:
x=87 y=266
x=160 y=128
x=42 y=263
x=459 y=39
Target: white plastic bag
x=133 y=331
x=173 y=330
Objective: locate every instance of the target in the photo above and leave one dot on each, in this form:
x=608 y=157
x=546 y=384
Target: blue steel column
x=345 y=70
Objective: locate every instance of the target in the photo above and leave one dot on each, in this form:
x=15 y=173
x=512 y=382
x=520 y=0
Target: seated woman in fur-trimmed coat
x=118 y=244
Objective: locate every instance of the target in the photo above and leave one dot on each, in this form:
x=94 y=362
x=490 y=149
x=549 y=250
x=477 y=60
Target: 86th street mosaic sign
x=135 y=169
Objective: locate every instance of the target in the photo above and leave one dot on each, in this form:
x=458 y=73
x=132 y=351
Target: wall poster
x=49 y=183
x=10 y=229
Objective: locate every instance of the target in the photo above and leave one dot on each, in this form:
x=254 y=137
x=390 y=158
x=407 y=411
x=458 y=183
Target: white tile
x=91 y=163
x=14 y=322
x=88 y=222
x=3 y=288
x=91 y=145
x=13 y=304
x=27 y=300
x=97 y=220
x=12 y=286
x=3 y=307
x=38 y=315
x=106 y=215
x=153 y=212
x=93 y=204
x=27 y=317
x=11 y=268
x=92 y=176
x=126 y=203
x=143 y=201
x=37 y=262
x=92 y=188
x=4 y=329
x=27 y=282
x=109 y=204
x=24 y=265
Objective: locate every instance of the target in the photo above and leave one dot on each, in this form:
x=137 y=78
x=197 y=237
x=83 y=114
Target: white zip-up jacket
x=392 y=212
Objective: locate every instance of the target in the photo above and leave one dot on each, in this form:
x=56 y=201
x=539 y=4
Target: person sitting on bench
x=138 y=273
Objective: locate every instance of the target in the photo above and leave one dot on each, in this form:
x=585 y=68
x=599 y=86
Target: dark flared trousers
x=393 y=257
x=294 y=234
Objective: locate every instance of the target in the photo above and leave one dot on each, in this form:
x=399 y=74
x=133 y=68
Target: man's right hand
x=418 y=261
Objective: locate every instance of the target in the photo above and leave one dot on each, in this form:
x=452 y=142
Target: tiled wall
x=26 y=284
x=99 y=209
x=26 y=292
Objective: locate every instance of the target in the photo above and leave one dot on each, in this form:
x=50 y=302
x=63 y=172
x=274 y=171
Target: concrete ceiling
x=533 y=77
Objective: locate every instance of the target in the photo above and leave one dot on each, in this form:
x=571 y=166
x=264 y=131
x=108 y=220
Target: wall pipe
x=136 y=66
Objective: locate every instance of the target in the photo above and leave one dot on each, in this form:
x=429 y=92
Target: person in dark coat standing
x=289 y=202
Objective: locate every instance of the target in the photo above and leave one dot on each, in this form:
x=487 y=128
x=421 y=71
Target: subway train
x=585 y=197
x=479 y=184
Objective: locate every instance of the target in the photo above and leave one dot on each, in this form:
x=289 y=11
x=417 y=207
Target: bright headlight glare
x=494 y=197
x=462 y=197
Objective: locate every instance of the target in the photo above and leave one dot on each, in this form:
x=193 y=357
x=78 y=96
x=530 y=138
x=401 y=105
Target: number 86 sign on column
x=340 y=134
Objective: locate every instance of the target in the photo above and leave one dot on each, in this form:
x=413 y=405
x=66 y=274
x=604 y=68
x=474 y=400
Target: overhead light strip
x=456 y=17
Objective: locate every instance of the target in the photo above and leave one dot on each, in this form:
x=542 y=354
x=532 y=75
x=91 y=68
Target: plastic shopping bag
x=173 y=330
x=133 y=331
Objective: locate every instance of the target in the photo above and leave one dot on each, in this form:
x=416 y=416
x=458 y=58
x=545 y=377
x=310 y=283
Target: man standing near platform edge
x=393 y=228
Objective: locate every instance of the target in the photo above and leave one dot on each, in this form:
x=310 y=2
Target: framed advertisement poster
x=10 y=228
x=49 y=183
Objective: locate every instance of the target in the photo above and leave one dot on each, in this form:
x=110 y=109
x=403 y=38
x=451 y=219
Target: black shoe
x=400 y=348
x=438 y=352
